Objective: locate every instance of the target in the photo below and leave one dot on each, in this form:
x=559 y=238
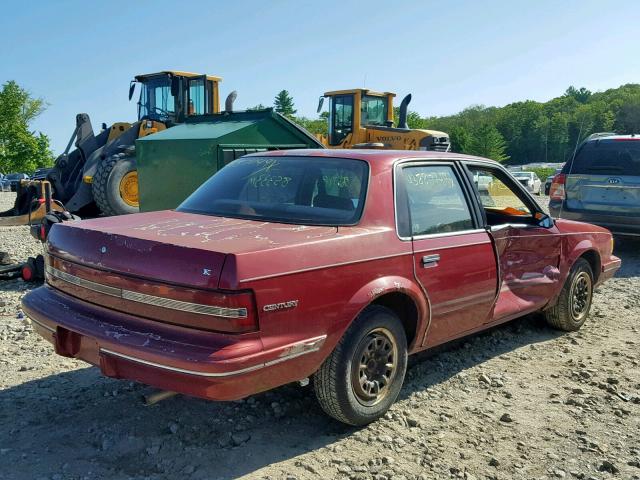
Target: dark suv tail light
x=556 y=192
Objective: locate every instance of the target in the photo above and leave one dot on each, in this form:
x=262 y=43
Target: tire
x=377 y=334
x=111 y=174
x=572 y=308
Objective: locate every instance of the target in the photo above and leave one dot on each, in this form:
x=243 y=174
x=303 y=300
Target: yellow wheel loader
x=362 y=118
x=99 y=175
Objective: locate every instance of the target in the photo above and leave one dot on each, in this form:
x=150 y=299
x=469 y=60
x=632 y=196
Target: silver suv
x=601 y=185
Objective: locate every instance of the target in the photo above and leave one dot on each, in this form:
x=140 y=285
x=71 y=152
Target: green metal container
x=176 y=161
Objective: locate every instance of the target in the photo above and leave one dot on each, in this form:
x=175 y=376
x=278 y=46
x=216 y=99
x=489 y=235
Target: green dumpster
x=173 y=163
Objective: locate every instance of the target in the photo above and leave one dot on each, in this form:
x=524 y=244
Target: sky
x=80 y=56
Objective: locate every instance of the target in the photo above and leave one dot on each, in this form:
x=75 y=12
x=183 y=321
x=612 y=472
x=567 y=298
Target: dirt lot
x=521 y=401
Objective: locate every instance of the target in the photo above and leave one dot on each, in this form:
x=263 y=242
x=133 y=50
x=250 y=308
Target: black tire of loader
x=106 y=185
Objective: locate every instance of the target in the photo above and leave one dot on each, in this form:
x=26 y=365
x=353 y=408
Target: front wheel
x=572 y=308
x=363 y=376
x=115 y=185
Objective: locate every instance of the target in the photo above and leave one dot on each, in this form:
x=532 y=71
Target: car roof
x=373 y=156
x=594 y=137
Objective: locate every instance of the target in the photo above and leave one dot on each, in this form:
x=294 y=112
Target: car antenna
x=571 y=165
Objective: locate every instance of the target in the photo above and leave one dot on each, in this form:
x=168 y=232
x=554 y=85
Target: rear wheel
x=572 y=308
x=363 y=376
x=115 y=185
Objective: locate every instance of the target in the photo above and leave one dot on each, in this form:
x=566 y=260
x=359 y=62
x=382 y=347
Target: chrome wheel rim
x=374 y=367
x=580 y=296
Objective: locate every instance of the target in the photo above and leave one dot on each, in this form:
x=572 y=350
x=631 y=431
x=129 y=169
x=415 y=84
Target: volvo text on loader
x=362 y=118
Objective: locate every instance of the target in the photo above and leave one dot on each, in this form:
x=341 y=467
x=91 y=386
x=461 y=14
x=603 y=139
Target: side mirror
x=320 y=103
x=544 y=220
x=132 y=87
x=175 y=86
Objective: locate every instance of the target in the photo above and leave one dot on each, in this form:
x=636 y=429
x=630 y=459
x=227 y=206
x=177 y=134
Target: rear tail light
x=224 y=312
x=556 y=192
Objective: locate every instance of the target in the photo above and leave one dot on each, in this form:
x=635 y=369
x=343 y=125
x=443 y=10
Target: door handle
x=429 y=261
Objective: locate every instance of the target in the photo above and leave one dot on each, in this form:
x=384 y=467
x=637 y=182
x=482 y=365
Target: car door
x=528 y=252
x=453 y=258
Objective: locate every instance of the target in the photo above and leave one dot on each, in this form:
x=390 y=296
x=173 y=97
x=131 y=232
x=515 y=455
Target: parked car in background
x=601 y=184
x=530 y=180
x=40 y=173
x=547 y=182
x=14 y=179
x=5 y=184
x=298 y=263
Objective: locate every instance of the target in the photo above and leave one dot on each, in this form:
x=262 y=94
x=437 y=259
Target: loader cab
x=351 y=111
x=169 y=97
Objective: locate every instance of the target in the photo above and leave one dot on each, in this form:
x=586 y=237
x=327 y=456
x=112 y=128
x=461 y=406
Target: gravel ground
x=520 y=401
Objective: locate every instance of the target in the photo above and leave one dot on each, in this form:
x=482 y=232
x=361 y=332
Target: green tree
x=283 y=103
x=20 y=148
x=460 y=138
x=256 y=107
x=315 y=126
x=582 y=95
x=486 y=141
x=628 y=118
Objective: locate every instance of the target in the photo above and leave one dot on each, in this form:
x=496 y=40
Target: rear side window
x=607 y=157
x=435 y=200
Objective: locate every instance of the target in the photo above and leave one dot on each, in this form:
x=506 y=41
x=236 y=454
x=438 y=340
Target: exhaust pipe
x=402 y=117
x=228 y=103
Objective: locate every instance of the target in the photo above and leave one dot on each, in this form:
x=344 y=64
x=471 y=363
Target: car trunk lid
x=174 y=247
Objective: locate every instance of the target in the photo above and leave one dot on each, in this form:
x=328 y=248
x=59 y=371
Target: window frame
x=364 y=99
x=510 y=181
x=401 y=200
x=333 y=116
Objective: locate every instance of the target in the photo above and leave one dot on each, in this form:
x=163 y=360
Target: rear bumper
x=617 y=224
x=203 y=364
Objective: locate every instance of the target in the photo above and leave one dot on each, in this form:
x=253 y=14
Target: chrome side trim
x=184 y=306
x=81 y=282
x=313 y=345
x=163 y=302
x=446 y=234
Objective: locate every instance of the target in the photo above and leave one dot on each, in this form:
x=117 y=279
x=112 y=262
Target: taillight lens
x=556 y=192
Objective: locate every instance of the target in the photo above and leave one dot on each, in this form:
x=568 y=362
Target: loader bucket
x=33 y=202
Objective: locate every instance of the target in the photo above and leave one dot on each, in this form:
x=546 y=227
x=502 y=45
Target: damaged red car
x=329 y=265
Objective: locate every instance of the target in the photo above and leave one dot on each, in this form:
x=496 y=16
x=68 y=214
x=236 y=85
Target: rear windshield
x=298 y=190
x=607 y=157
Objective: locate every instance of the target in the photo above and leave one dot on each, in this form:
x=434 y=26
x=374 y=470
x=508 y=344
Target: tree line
x=518 y=133
x=522 y=132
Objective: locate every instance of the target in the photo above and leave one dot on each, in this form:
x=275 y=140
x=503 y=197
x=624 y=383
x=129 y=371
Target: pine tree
x=283 y=104
x=486 y=141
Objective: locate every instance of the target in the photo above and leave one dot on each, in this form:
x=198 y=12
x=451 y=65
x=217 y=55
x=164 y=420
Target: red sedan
x=315 y=263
